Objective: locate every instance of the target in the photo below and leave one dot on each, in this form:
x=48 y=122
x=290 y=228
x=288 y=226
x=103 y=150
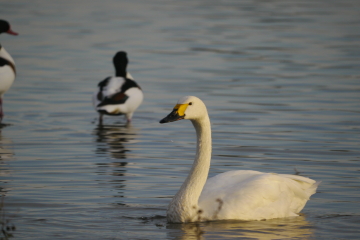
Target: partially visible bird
x=7 y=65
x=119 y=95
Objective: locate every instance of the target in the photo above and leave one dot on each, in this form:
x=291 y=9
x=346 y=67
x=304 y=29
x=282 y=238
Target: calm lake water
x=281 y=80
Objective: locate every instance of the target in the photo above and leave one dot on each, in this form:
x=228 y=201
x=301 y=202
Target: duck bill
x=11 y=32
x=172 y=117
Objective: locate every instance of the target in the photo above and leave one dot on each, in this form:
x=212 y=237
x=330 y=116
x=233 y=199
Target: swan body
x=238 y=194
x=7 y=65
x=119 y=95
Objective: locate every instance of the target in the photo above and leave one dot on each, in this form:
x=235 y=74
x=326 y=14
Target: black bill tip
x=163 y=120
x=172 y=117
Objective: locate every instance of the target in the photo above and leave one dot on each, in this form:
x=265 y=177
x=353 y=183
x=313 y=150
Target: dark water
x=281 y=80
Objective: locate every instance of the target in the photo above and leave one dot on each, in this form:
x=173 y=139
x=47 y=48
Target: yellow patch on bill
x=181 y=109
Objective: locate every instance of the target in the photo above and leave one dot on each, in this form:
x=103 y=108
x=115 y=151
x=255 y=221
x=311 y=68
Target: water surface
x=280 y=80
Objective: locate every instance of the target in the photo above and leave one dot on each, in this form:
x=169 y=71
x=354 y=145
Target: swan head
x=188 y=107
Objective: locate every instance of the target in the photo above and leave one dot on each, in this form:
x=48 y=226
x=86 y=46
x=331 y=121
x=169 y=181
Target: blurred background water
x=280 y=80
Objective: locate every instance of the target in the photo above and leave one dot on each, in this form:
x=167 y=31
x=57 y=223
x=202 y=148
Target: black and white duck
x=7 y=66
x=118 y=95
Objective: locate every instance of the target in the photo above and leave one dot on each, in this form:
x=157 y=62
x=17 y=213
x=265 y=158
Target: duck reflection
x=111 y=143
x=114 y=137
x=6 y=154
x=284 y=228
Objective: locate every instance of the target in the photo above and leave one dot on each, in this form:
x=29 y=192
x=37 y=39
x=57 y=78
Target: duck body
x=7 y=71
x=7 y=66
x=235 y=195
x=119 y=95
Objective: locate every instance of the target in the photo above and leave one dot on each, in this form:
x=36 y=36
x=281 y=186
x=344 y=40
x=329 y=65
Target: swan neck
x=184 y=205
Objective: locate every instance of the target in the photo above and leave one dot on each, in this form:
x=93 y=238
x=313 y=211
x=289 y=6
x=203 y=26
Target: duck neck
x=185 y=202
x=4 y=54
x=120 y=72
x=6 y=57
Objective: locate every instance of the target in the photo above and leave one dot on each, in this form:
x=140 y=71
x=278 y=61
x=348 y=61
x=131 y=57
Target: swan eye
x=190 y=103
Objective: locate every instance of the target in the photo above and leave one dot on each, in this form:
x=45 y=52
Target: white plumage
x=241 y=194
x=119 y=95
x=7 y=66
x=7 y=71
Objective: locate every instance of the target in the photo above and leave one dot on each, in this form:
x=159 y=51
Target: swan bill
x=178 y=113
x=172 y=117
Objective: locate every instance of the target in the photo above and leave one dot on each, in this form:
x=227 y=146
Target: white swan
x=7 y=65
x=239 y=194
x=119 y=95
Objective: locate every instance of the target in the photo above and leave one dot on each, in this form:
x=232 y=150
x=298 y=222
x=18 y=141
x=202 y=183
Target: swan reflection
x=284 y=228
